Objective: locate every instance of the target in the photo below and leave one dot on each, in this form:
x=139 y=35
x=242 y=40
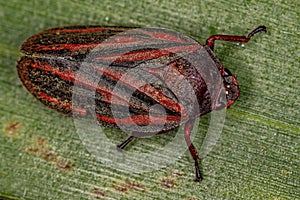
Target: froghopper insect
x=52 y=59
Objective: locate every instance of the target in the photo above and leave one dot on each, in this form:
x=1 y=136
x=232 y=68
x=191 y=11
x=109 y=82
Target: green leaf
x=256 y=156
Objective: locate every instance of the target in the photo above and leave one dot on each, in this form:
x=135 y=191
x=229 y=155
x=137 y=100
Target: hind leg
x=187 y=133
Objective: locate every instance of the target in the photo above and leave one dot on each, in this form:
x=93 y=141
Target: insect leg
x=231 y=38
x=125 y=143
x=187 y=133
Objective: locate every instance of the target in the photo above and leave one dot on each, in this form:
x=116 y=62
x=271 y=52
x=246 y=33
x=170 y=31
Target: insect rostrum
x=154 y=66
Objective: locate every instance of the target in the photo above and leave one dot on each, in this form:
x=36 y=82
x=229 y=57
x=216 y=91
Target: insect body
x=154 y=66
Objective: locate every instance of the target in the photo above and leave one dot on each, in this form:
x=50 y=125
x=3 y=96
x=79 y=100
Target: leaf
x=256 y=156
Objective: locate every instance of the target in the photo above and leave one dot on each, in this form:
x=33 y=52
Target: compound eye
x=227 y=72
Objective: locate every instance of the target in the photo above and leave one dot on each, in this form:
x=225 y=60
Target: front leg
x=125 y=143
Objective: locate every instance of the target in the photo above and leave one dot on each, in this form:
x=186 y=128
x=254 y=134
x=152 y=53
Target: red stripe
x=120 y=39
x=141 y=120
x=85 y=29
x=123 y=39
x=133 y=120
x=147 y=54
x=163 y=36
x=71 y=47
x=75 y=47
x=55 y=101
x=107 y=94
x=64 y=104
x=146 y=89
